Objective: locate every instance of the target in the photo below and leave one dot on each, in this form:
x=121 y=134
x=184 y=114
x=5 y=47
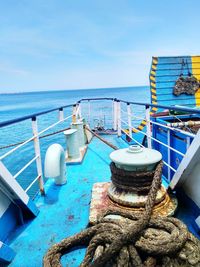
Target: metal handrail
x=181 y=154
x=9 y=122
x=117 y=120
x=25 y=166
x=189 y=110
x=34 y=138
x=31 y=116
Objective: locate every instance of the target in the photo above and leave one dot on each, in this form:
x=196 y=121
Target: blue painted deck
x=64 y=210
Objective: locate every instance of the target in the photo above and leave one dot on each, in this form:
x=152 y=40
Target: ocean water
x=18 y=105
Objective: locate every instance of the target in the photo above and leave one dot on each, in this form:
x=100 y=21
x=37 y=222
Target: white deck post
x=129 y=119
x=61 y=114
x=74 y=113
x=119 y=127
x=89 y=112
x=148 y=126
x=168 y=154
x=115 y=115
x=37 y=153
x=79 y=115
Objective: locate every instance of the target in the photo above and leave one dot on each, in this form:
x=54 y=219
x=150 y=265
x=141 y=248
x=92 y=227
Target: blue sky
x=72 y=44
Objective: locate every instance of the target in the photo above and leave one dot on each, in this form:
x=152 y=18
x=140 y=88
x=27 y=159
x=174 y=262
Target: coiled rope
x=139 y=182
x=138 y=241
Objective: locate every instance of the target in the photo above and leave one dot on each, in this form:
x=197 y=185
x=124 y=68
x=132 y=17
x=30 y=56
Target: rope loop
x=134 y=240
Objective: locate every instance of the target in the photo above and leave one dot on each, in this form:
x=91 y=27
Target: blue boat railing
x=123 y=121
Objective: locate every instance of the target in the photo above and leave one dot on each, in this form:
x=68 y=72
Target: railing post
x=114 y=115
x=79 y=115
x=187 y=142
x=37 y=153
x=74 y=114
x=168 y=154
x=89 y=112
x=61 y=114
x=129 y=119
x=119 y=133
x=148 y=126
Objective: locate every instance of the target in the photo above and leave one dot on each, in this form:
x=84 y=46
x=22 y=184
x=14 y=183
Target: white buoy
x=54 y=165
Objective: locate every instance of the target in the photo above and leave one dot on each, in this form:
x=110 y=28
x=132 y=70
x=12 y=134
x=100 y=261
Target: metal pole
x=74 y=113
x=148 y=126
x=187 y=142
x=168 y=154
x=37 y=154
x=129 y=119
x=119 y=133
x=89 y=112
x=79 y=115
x=61 y=114
x=115 y=115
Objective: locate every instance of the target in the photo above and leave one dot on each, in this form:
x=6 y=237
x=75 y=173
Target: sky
x=76 y=44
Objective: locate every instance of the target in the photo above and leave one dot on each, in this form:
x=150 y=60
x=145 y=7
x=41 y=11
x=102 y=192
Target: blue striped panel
x=167 y=71
x=171 y=66
x=173 y=60
x=171 y=72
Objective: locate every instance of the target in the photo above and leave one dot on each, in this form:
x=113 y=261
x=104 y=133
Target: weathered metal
x=131 y=199
x=101 y=202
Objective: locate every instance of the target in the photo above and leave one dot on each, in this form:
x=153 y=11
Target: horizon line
x=75 y=89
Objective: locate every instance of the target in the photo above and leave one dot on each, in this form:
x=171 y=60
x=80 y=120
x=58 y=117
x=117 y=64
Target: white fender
x=54 y=165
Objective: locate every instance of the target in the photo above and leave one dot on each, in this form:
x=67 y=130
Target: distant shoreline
x=63 y=90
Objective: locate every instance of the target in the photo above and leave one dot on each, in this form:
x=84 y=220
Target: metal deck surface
x=64 y=210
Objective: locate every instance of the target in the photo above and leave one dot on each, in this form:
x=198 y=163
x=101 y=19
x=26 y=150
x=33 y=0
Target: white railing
x=37 y=148
x=148 y=133
x=122 y=123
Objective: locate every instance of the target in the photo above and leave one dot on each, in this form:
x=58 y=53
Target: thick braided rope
x=131 y=181
x=133 y=241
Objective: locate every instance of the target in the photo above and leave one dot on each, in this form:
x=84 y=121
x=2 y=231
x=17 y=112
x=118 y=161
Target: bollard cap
x=70 y=131
x=135 y=156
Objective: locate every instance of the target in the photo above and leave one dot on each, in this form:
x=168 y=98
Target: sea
x=97 y=113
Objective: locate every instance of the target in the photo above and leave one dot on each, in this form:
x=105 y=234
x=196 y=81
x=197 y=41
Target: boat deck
x=64 y=210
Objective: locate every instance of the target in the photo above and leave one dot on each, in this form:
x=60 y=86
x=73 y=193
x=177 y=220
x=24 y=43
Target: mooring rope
x=40 y=137
x=102 y=139
x=139 y=182
x=139 y=241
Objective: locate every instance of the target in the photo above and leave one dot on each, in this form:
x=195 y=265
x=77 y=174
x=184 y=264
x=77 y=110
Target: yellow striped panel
x=153 y=91
x=195 y=59
x=195 y=72
x=153 y=84
x=135 y=131
x=140 y=127
x=154 y=97
x=196 y=75
x=143 y=123
x=154 y=102
x=153 y=67
x=155 y=60
x=152 y=78
x=153 y=72
x=154 y=109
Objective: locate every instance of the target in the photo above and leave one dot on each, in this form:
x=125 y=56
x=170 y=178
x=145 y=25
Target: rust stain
x=70 y=217
x=101 y=202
